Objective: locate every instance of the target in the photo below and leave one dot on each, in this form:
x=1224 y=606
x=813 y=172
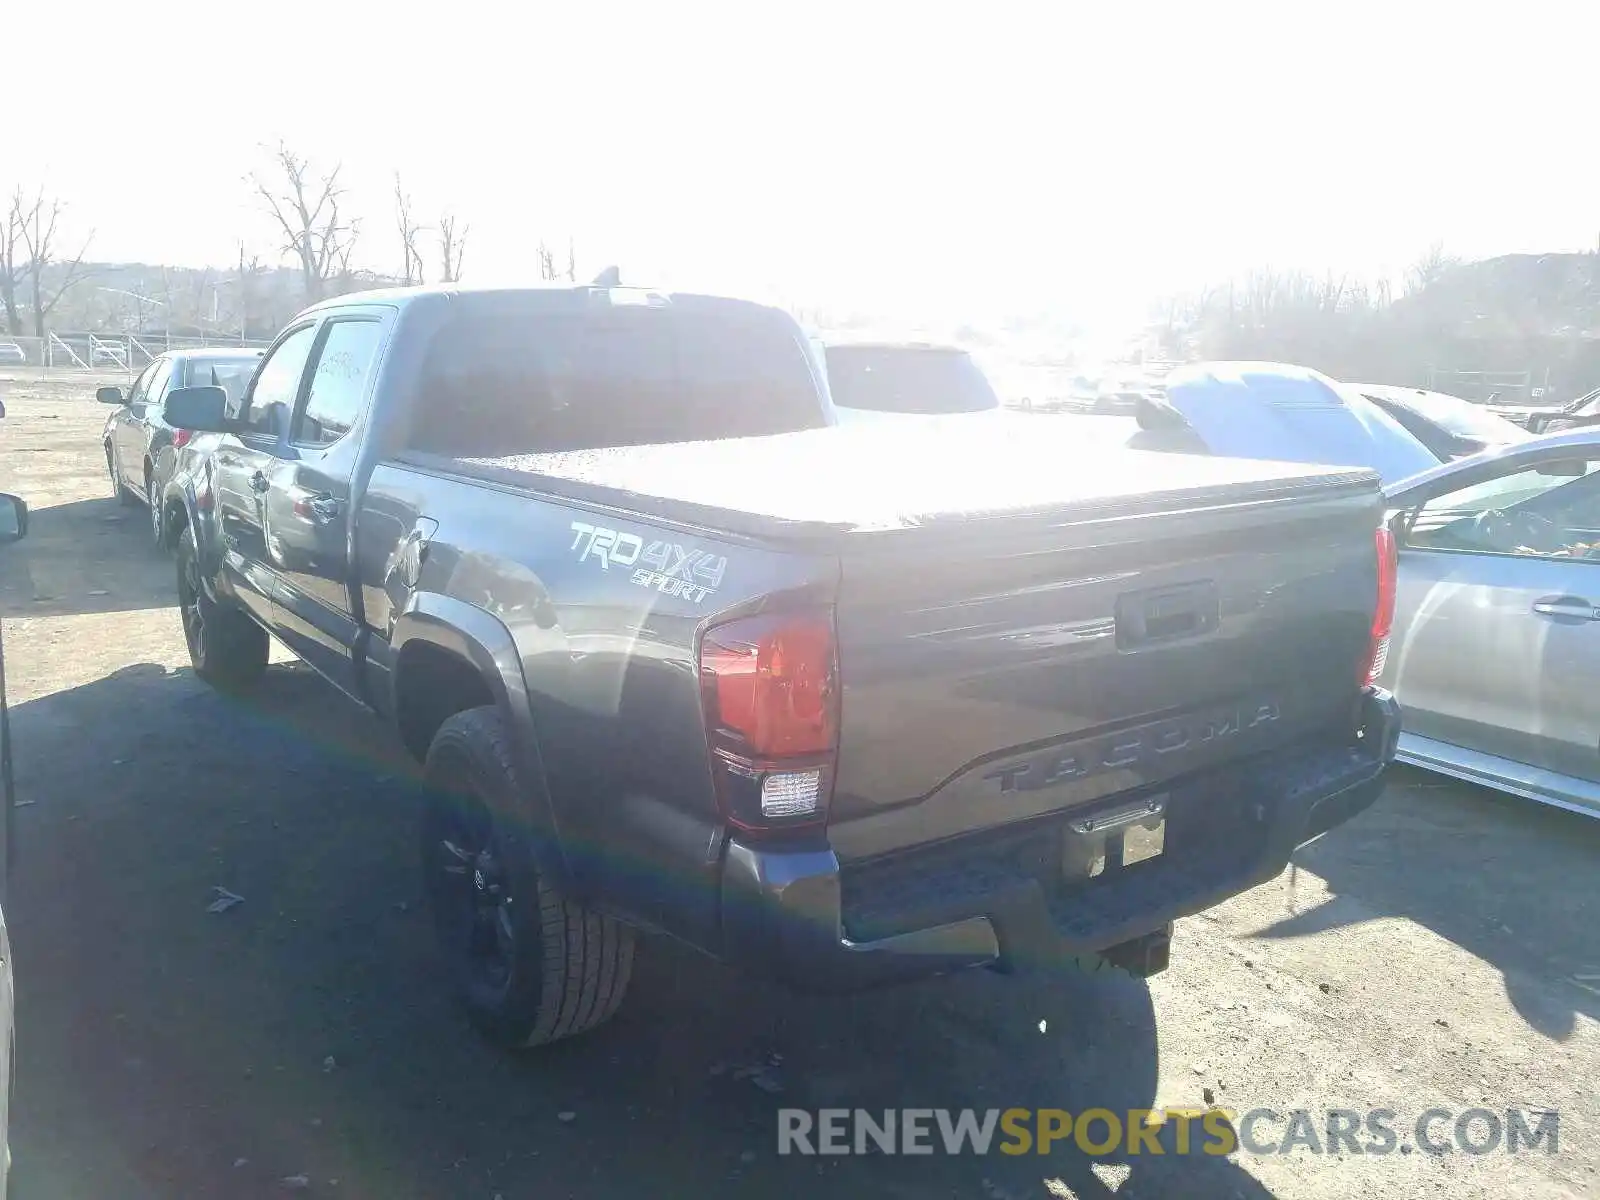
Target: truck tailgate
x=1001 y=667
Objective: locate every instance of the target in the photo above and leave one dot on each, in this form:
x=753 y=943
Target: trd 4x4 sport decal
x=664 y=567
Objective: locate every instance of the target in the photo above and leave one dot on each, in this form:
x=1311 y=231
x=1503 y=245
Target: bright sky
x=934 y=159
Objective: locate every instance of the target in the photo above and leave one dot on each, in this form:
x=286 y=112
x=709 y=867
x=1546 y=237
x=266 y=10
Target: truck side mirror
x=203 y=409
x=108 y=395
x=13 y=519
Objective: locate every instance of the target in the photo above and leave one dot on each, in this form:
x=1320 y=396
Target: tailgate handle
x=1166 y=614
x=1572 y=607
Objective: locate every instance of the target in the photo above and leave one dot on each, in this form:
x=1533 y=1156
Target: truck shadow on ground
x=170 y=1050
x=86 y=556
x=1531 y=915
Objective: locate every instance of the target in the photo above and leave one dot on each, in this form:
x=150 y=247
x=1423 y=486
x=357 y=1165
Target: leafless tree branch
x=409 y=232
x=305 y=207
x=452 y=245
x=11 y=271
x=36 y=221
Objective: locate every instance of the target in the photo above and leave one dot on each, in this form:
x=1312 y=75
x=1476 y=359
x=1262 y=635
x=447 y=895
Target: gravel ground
x=1439 y=951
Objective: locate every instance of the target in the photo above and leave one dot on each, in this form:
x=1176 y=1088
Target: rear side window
x=338 y=382
x=509 y=377
x=907 y=379
x=156 y=392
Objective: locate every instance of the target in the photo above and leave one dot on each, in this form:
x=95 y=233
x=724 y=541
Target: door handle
x=326 y=508
x=258 y=482
x=1571 y=607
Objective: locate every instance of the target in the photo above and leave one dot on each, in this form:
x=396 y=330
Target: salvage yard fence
x=101 y=353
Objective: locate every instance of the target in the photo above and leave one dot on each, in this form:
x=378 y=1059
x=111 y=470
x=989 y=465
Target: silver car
x=1495 y=654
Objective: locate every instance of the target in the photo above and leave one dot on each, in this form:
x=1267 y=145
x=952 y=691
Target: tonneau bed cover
x=861 y=479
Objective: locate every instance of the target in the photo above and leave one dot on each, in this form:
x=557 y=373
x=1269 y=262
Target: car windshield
x=229 y=374
x=1509 y=491
x=1458 y=416
x=908 y=379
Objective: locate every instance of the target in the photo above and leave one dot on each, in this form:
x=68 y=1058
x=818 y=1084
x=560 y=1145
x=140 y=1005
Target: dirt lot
x=1441 y=951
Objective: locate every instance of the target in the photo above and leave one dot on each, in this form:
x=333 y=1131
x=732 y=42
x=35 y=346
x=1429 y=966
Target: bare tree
x=10 y=269
x=572 y=262
x=305 y=206
x=547 y=262
x=1428 y=269
x=36 y=220
x=452 y=245
x=409 y=232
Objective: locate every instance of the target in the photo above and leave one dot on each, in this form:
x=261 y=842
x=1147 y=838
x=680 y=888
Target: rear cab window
x=521 y=374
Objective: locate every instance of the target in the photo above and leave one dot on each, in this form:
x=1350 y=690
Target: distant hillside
x=1520 y=321
x=1512 y=298
x=135 y=298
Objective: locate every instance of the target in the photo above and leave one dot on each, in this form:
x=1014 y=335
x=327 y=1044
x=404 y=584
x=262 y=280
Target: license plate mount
x=1114 y=838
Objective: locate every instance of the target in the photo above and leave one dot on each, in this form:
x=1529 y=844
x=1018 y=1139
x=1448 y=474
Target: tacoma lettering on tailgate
x=1131 y=748
x=664 y=567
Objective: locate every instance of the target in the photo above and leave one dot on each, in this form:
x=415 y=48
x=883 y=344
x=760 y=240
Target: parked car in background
x=103 y=355
x=1121 y=401
x=1578 y=414
x=1574 y=414
x=1496 y=645
x=1447 y=425
x=892 y=380
x=12 y=355
x=1277 y=411
x=139 y=445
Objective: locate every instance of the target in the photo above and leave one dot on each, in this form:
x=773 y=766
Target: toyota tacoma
x=838 y=705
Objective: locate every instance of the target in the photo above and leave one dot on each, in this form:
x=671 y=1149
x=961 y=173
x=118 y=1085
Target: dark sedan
x=1447 y=425
x=140 y=447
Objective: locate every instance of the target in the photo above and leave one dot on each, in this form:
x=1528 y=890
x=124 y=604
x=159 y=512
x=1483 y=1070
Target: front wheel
x=529 y=966
x=228 y=649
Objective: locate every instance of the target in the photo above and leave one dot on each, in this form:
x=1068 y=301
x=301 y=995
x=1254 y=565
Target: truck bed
x=1027 y=621
x=866 y=479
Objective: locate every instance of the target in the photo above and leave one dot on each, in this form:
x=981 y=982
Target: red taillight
x=1383 y=611
x=769 y=688
x=181 y=438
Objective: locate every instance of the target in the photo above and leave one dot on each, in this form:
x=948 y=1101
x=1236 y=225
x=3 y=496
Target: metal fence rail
x=129 y=353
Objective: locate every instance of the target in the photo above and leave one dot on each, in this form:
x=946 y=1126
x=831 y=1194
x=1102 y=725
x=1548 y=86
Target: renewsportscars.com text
x=1179 y=1131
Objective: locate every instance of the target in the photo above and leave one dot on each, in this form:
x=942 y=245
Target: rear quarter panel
x=606 y=652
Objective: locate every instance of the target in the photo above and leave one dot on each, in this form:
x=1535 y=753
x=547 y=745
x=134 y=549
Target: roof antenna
x=610 y=277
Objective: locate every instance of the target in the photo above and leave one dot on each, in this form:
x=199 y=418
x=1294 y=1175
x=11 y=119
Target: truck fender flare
x=180 y=493
x=482 y=641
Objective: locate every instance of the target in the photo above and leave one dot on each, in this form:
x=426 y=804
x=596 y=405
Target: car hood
x=1292 y=414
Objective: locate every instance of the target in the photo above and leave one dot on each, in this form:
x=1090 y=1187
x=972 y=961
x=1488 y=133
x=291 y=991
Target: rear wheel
x=156 y=531
x=529 y=966
x=118 y=489
x=227 y=648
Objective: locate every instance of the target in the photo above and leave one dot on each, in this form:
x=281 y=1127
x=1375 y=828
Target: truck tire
x=228 y=649
x=529 y=965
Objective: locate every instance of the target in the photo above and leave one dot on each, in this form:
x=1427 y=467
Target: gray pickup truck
x=837 y=705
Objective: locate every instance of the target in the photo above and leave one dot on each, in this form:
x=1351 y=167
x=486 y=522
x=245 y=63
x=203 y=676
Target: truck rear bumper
x=998 y=899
